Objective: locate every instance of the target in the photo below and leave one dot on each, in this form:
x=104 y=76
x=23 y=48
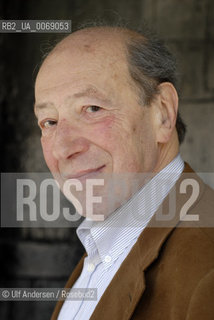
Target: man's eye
x=92 y=109
x=48 y=124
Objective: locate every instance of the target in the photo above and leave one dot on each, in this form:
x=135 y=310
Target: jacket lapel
x=127 y=286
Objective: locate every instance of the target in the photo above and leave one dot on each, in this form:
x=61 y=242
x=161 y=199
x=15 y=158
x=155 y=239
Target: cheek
x=118 y=138
x=104 y=132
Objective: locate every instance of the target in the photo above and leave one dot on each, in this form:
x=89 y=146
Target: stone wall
x=45 y=257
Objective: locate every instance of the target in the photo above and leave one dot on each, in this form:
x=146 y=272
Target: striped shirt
x=108 y=242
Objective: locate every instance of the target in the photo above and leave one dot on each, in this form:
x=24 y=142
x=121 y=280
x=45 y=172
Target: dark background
x=45 y=257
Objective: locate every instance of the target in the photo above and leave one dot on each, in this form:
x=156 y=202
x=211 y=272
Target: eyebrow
x=88 y=92
x=94 y=93
x=41 y=106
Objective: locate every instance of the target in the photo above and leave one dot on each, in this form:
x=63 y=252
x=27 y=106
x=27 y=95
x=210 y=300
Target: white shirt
x=108 y=242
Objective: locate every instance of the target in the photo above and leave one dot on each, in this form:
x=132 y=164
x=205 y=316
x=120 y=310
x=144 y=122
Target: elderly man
x=107 y=105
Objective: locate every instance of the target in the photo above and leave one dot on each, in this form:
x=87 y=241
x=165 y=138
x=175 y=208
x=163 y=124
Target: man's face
x=92 y=124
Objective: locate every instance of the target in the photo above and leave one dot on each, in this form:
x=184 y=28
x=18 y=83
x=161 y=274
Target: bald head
x=91 y=42
x=92 y=37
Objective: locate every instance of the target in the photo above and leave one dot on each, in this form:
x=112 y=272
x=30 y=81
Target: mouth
x=84 y=174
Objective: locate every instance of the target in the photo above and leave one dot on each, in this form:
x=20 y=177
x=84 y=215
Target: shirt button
x=107 y=259
x=91 y=267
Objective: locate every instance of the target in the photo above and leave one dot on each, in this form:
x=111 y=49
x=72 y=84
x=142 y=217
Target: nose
x=68 y=142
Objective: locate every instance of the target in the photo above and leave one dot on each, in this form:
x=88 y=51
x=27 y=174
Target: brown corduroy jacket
x=169 y=273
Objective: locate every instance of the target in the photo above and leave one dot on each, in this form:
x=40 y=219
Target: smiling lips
x=84 y=173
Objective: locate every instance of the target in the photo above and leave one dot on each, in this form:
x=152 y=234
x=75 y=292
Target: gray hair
x=150 y=63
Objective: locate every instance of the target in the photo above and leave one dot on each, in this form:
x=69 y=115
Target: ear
x=166 y=106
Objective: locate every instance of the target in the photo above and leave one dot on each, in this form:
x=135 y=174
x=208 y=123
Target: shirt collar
x=109 y=238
